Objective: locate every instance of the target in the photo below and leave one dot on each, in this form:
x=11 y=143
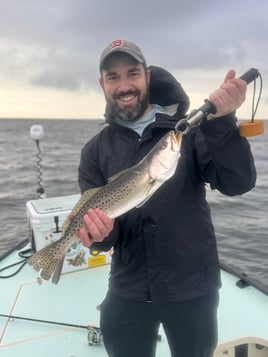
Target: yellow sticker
x=95 y=261
x=94 y=252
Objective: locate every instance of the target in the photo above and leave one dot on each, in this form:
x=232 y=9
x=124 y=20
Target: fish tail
x=57 y=271
x=49 y=261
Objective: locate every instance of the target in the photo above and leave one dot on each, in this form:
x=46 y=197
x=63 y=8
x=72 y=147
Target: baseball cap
x=125 y=46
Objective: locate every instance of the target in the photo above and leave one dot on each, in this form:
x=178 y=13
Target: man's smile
x=127 y=98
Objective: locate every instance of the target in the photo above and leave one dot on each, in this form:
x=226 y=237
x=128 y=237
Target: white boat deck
x=242 y=315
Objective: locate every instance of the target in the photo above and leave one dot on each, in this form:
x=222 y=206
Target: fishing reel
x=94 y=336
x=247 y=128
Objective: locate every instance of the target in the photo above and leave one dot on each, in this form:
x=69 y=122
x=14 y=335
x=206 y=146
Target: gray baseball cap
x=125 y=46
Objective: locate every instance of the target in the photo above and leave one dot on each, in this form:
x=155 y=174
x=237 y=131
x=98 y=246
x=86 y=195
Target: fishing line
x=255 y=106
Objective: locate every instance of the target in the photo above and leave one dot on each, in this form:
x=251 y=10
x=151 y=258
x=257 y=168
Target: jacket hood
x=166 y=91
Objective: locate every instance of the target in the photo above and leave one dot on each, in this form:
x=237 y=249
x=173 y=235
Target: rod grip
x=250 y=75
x=208 y=107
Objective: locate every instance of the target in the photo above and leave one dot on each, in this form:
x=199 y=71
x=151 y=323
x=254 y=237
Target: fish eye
x=164 y=145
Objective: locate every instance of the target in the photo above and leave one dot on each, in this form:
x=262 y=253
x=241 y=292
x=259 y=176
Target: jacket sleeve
x=224 y=157
x=89 y=172
x=90 y=176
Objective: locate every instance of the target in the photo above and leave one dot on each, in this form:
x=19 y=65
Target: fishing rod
x=94 y=333
x=196 y=117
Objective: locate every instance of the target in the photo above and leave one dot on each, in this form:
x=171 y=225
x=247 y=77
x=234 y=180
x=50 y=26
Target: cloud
x=55 y=44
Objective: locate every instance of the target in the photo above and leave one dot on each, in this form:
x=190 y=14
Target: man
x=165 y=265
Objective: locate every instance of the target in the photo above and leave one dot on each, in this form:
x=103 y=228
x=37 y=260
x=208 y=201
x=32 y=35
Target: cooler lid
x=53 y=204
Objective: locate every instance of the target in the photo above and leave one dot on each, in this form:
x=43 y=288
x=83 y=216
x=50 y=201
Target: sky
x=49 y=50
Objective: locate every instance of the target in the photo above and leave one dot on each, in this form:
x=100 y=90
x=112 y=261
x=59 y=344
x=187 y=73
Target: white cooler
x=46 y=217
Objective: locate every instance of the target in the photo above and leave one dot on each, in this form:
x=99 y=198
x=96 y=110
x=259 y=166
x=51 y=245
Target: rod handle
x=250 y=75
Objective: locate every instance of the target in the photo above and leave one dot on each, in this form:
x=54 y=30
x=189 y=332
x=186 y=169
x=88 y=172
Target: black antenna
x=37 y=134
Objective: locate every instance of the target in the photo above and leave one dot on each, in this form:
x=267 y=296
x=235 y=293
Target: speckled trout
x=126 y=190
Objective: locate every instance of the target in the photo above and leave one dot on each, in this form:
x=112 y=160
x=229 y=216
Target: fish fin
x=150 y=192
x=57 y=272
x=143 y=202
x=47 y=261
x=79 y=204
x=117 y=175
x=67 y=222
x=84 y=198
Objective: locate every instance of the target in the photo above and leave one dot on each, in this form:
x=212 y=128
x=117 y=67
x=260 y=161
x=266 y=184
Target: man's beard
x=113 y=111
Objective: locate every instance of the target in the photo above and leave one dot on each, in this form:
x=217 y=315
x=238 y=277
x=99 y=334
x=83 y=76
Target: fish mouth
x=175 y=140
x=177 y=136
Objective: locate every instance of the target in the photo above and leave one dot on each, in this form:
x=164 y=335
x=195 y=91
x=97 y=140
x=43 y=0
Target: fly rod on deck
x=94 y=333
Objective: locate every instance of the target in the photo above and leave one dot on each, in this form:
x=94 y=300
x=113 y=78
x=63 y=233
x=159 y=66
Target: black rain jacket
x=166 y=250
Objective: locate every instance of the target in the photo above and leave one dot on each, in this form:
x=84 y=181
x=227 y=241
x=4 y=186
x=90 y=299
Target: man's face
x=125 y=84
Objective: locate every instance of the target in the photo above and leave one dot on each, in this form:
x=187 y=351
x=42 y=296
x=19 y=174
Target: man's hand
x=230 y=95
x=97 y=227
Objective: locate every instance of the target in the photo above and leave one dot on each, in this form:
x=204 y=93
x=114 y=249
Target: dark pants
x=130 y=328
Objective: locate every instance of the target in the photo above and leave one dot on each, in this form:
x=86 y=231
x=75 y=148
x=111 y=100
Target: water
x=60 y=149
x=241 y=222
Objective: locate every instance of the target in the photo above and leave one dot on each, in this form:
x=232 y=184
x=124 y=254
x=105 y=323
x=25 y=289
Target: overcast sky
x=49 y=49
